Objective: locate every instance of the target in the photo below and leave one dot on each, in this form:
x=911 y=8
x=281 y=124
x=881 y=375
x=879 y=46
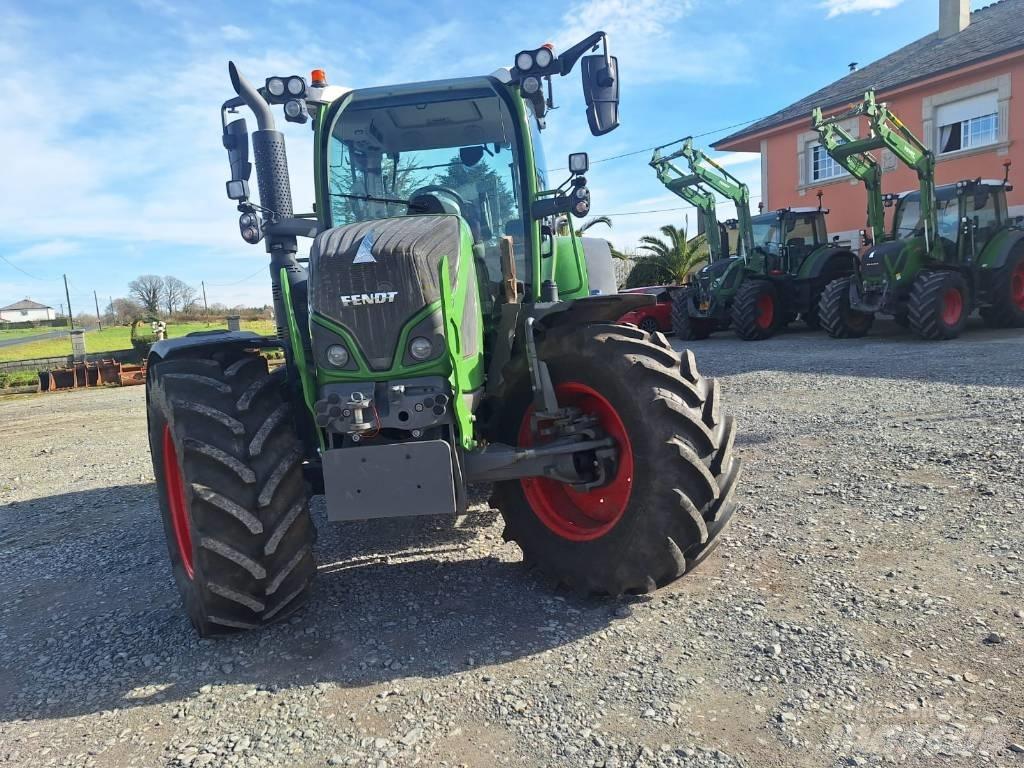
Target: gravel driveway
x=866 y=607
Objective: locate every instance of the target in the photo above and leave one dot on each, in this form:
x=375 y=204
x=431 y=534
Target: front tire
x=232 y=495
x=684 y=326
x=837 y=317
x=939 y=305
x=755 y=310
x=670 y=496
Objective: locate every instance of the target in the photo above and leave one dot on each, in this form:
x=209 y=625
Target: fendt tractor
x=785 y=258
x=951 y=248
x=442 y=332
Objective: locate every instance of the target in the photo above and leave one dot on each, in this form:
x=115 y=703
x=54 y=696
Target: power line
x=236 y=282
x=27 y=274
x=651 y=149
x=666 y=210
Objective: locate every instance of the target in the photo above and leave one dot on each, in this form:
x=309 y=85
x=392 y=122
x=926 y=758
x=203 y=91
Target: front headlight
x=337 y=355
x=275 y=86
x=524 y=61
x=421 y=348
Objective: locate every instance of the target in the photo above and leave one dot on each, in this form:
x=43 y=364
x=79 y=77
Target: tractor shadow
x=980 y=356
x=91 y=618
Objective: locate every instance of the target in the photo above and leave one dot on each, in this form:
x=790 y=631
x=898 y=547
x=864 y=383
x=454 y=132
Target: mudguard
x=591 y=309
x=209 y=341
x=828 y=260
x=998 y=249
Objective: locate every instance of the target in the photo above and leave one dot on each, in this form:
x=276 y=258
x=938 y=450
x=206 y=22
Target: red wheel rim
x=176 y=502
x=1017 y=286
x=952 y=306
x=562 y=509
x=765 y=311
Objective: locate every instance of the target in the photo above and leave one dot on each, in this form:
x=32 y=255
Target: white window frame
x=805 y=144
x=932 y=131
x=826 y=161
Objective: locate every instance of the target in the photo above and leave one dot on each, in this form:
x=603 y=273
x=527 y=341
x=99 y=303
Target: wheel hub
x=570 y=513
x=765 y=311
x=952 y=306
x=1017 y=286
x=176 y=502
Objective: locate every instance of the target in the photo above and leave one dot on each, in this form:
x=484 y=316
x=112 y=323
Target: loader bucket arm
x=854 y=156
x=689 y=188
x=887 y=131
x=711 y=174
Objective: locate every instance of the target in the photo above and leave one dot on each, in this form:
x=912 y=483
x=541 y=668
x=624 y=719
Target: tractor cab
x=968 y=214
x=413 y=151
x=785 y=238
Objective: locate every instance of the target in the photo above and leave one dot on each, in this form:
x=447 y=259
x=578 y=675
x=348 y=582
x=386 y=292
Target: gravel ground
x=866 y=607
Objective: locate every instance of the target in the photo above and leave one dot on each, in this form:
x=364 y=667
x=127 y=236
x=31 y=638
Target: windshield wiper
x=372 y=199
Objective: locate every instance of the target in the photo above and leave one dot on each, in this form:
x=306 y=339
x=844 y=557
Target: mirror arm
x=568 y=59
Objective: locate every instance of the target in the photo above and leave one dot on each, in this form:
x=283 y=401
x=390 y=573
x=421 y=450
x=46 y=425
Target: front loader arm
x=853 y=155
x=710 y=173
x=886 y=131
x=689 y=189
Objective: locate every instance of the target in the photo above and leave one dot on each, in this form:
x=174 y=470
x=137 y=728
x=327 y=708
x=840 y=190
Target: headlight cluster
x=533 y=65
x=290 y=91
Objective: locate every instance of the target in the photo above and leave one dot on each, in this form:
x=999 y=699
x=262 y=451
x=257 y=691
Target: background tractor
x=785 y=258
x=441 y=332
x=951 y=249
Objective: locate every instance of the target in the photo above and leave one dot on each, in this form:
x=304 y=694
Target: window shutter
x=965 y=109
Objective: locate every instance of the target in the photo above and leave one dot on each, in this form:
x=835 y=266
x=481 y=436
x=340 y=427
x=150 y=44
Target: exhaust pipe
x=268 y=150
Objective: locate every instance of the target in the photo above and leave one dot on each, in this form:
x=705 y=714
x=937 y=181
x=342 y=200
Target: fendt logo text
x=362 y=299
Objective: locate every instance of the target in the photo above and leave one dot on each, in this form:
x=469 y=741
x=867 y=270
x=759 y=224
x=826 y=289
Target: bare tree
x=189 y=297
x=172 y=293
x=148 y=290
x=125 y=310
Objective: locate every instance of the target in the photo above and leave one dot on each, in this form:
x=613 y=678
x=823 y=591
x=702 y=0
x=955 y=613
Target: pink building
x=955 y=89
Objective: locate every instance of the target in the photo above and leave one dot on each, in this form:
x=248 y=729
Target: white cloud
x=651 y=43
x=839 y=7
x=46 y=249
x=231 y=32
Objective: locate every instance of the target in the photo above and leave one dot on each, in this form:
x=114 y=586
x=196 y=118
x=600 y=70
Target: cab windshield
x=907 y=219
x=420 y=154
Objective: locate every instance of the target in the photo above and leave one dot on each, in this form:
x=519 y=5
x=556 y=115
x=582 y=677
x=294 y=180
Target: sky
x=112 y=159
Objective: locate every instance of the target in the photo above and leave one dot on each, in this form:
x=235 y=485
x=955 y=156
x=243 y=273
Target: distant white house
x=25 y=311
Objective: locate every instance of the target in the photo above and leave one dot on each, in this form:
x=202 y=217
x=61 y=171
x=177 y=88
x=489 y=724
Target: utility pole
x=99 y=320
x=113 y=314
x=205 y=305
x=67 y=295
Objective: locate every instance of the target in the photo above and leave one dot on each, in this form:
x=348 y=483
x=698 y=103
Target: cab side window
x=982 y=210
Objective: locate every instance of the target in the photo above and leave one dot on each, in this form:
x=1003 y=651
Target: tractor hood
x=372 y=277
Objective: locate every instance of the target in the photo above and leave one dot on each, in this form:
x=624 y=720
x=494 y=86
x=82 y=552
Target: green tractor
x=951 y=249
x=785 y=258
x=441 y=332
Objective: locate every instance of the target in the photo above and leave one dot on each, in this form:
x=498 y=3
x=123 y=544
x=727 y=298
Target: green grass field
x=17 y=333
x=118 y=337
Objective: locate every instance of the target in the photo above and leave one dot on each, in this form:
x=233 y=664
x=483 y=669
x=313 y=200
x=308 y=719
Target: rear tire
x=755 y=310
x=232 y=495
x=644 y=530
x=939 y=305
x=839 y=320
x=1007 y=310
x=684 y=326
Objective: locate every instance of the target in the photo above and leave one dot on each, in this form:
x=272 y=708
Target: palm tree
x=675 y=260
x=594 y=221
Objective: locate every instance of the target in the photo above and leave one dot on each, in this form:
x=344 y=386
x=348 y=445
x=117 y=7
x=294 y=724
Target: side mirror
x=236 y=142
x=601 y=90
